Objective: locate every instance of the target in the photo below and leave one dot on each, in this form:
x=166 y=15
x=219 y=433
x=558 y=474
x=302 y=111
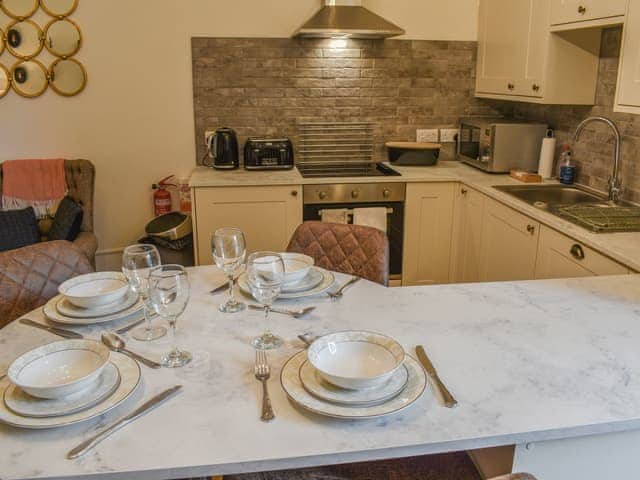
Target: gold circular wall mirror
x=5 y=83
x=63 y=38
x=59 y=8
x=24 y=39
x=19 y=9
x=67 y=77
x=29 y=78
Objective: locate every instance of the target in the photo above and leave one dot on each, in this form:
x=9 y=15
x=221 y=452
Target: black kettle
x=223 y=147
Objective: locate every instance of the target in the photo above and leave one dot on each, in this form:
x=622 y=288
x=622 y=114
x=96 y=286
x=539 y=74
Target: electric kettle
x=222 y=147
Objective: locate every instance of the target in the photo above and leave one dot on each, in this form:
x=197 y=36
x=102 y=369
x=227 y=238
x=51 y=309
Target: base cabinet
x=428 y=229
x=268 y=216
x=469 y=213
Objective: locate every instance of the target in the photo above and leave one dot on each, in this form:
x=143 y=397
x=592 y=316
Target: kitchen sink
x=544 y=196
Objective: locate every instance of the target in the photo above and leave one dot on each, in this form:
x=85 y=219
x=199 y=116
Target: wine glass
x=229 y=250
x=137 y=262
x=169 y=295
x=265 y=274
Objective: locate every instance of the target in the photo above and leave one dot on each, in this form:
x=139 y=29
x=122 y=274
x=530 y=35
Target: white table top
x=527 y=361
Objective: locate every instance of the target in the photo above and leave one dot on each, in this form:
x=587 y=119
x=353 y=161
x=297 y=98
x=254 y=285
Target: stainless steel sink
x=544 y=196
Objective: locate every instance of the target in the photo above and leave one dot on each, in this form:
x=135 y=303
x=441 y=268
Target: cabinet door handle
x=535 y=87
x=582 y=9
x=510 y=86
x=294 y=193
x=531 y=229
x=463 y=191
x=577 y=252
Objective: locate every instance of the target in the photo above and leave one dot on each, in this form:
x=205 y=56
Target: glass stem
x=232 y=297
x=147 y=312
x=267 y=309
x=174 y=345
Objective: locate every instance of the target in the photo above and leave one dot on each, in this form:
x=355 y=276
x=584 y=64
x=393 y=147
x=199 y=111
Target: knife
x=146 y=407
x=225 y=285
x=61 y=332
x=441 y=391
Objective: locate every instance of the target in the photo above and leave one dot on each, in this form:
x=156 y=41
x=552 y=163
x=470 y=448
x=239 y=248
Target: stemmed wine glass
x=169 y=295
x=137 y=262
x=265 y=273
x=229 y=250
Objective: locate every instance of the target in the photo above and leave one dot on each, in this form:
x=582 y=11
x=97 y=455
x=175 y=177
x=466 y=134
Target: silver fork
x=340 y=292
x=263 y=372
x=283 y=311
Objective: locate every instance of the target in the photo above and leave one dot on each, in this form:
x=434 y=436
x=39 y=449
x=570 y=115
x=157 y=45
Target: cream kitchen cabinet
x=577 y=11
x=628 y=89
x=469 y=213
x=509 y=244
x=428 y=230
x=520 y=59
x=268 y=216
x=562 y=257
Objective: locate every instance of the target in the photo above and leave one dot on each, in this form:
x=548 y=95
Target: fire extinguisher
x=162 y=197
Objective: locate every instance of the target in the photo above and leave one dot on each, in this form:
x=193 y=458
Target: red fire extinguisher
x=162 y=197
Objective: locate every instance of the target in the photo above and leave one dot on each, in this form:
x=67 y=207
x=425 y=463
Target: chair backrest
x=350 y=249
x=80 y=176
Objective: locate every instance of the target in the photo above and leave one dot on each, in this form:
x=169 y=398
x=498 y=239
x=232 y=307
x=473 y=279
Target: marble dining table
x=550 y=366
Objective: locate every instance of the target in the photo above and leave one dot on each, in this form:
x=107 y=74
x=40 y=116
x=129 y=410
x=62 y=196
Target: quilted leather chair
x=29 y=276
x=80 y=176
x=350 y=249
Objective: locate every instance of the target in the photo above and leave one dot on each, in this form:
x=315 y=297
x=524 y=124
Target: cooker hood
x=347 y=19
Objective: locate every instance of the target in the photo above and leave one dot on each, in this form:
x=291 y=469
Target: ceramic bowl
x=59 y=369
x=356 y=359
x=95 y=289
x=296 y=267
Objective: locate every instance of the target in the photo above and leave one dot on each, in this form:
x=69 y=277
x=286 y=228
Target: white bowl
x=296 y=267
x=59 y=369
x=95 y=289
x=356 y=359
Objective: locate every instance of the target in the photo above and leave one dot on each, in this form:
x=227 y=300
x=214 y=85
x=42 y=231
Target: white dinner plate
x=327 y=281
x=317 y=386
x=292 y=385
x=129 y=381
x=52 y=314
x=68 y=309
x=311 y=280
x=27 y=406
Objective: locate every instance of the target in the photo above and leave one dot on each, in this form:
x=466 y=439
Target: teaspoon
x=117 y=344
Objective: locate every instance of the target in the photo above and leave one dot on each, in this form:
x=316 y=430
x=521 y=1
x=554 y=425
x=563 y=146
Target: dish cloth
x=375 y=217
x=37 y=183
x=334 y=215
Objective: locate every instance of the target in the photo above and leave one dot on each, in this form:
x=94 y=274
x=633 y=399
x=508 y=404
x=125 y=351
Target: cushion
x=18 y=228
x=67 y=221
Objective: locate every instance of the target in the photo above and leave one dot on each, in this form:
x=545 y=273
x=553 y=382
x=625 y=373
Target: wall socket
x=427 y=135
x=448 y=134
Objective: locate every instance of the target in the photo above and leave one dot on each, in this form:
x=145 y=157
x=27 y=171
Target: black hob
x=346 y=169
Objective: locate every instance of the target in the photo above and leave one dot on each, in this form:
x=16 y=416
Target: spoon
x=115 y=343
x=293 y=313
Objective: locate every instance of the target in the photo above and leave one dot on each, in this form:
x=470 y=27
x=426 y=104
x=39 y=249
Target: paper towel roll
x=547 y=152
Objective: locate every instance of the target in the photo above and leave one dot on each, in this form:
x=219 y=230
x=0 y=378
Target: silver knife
x=126 y=328
x=149 y=405
x=225 y=285
x=443 y=394
x=61 y=332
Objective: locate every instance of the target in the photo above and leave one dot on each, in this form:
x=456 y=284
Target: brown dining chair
x=351 y=249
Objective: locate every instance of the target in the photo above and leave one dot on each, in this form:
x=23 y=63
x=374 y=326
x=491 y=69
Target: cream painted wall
x=135 y=119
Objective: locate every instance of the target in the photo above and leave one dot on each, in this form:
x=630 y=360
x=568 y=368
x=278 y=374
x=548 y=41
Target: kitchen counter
x=529 y=362
x=622 y=247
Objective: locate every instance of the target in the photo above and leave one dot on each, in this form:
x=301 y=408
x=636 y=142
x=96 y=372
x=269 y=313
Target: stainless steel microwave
x=499 y=145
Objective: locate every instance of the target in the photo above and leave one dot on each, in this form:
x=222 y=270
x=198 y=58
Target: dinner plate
x=129 y=381
x=317 y=386
x=292 y=385
x=27 y=406
x=52 y=314
x=68 y=309
x=311 y=280
x=327 y=281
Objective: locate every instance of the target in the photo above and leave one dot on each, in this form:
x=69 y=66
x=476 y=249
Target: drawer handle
x=577 y=252
x=531 y=229
x=464 y=191
x=510 y=86
x=535 y=87
x=582 y=9
x=294 y=193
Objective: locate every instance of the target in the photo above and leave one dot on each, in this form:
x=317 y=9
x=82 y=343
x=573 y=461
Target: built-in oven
x=391 y=195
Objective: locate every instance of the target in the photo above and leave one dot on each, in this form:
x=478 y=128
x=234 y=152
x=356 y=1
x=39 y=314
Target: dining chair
x=351 y=249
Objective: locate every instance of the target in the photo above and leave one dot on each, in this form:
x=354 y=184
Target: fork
x=283 y=311
x=340 y=292
x=263 y=372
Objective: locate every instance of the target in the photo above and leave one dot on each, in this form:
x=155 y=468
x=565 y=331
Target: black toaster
x=268 y=154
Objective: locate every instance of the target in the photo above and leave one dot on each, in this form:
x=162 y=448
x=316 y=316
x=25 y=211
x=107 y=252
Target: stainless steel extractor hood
x=347 y=19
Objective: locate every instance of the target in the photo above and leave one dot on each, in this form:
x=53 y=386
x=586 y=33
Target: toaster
x=268 y=154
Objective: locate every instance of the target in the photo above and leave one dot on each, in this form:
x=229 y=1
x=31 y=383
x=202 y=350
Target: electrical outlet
x=425 y=135
x=448 y=134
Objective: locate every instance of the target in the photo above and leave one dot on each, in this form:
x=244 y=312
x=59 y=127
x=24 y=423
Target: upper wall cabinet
x=521 y=59
x=579 y=11
x=628 y=91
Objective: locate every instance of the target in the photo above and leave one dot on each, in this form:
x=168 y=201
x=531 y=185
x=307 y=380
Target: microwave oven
x=499 y=145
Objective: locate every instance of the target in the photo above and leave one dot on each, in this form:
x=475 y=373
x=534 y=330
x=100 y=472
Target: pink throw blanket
x=39 y=183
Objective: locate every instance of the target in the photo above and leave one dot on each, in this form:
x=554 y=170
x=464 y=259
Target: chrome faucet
x=615 y=184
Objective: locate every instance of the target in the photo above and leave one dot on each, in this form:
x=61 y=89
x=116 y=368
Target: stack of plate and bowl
x=93 y=298
x=65 y=382
x=301 y=278
x=353 y=374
